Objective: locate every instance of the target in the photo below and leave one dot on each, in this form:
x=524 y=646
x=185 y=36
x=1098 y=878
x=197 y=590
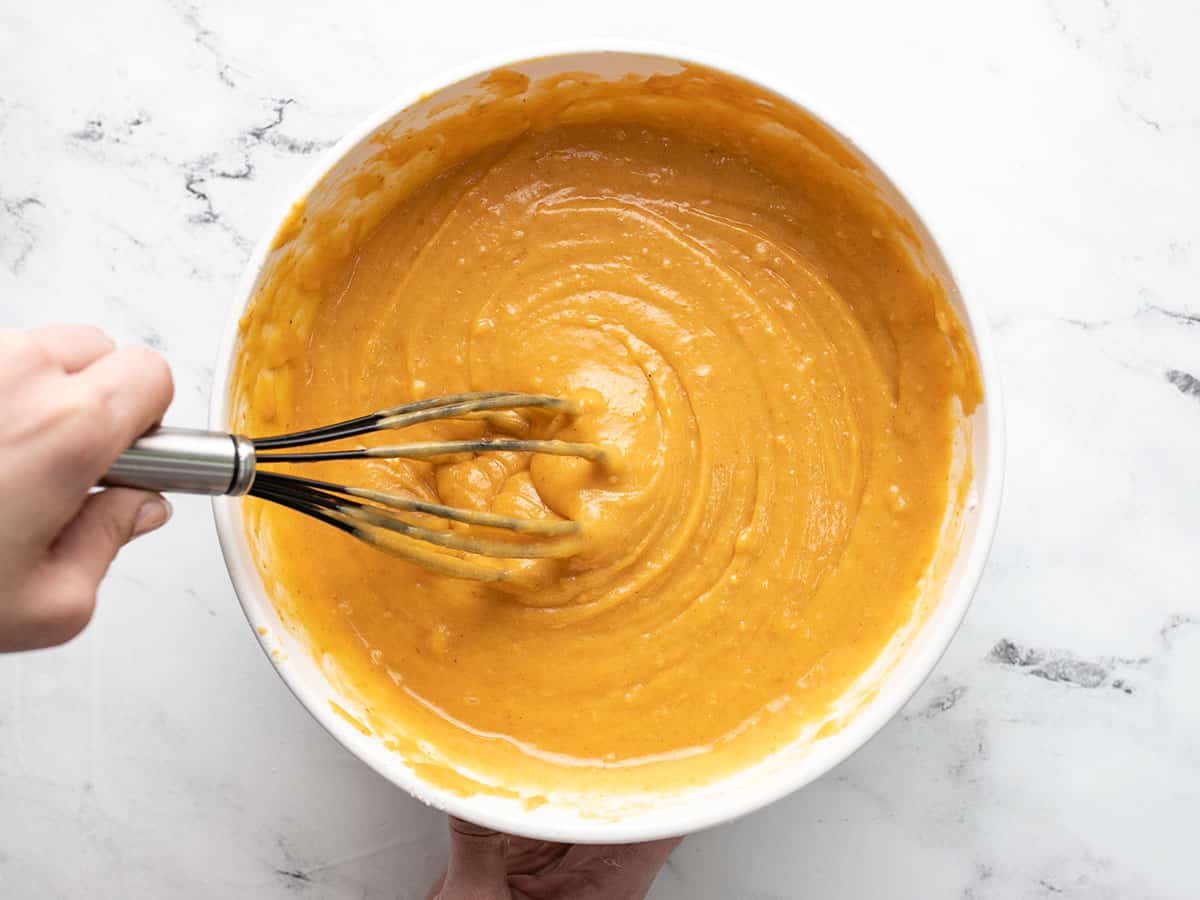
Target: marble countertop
x=1056 y=750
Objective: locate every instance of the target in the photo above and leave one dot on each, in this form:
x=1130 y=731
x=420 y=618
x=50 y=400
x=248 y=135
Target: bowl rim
x=911 y=670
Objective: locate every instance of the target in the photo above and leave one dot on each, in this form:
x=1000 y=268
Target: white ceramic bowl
x=886 y=688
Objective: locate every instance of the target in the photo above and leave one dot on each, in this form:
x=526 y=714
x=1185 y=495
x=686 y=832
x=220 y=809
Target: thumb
x=477 y=866
x=105 y=523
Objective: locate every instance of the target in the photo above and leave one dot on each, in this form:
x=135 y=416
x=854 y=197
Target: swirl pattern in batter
x=777 y=380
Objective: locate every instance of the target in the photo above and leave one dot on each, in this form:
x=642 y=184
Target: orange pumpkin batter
x=745 y=324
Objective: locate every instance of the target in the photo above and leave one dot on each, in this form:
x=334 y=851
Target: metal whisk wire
x=218 y=463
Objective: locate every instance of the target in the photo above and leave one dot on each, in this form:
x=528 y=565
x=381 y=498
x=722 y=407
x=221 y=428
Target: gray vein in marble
x=136 y=321
x=270 y=133
x=98 y=130
x=1089 y=324
x=19 y=233
x=92 y=131
x=199 y=172
x=153 y=339
x=1062 y=666
x=965 y=767
x=983 y=874
x=1111 y=18
x=204 y=38
x=129 y=236
x=941 y=703
x=1061 y=24
x=1103 y=33
x=1173 y=624
x=1145 y=309
x=1128 y=107
x=291 y=874
x=196 y=174
x=294 y=879
x=1178 y=253
x=1180 y=316
x=203 y=169
x=298 y=877
x=1187 y=384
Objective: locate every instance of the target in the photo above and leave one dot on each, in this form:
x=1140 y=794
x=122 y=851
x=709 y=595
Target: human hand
x=487 y=865
x=71 y=404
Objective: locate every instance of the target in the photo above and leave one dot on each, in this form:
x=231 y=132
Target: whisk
x=218 y=463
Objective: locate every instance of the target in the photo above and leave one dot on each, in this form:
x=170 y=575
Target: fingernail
x=153 y=514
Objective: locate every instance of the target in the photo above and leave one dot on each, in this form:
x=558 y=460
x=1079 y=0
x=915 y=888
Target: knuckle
x=97 y=334
x=90 y=334
x=152 y=373
x=24 y=353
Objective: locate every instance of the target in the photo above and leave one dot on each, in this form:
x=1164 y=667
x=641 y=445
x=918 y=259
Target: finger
x=528 y=857
x=136 y=385
x=107 y=521
x=600 y=872
x=477 y=863
x=57 y=601
x=89 y=418
x=73 y=347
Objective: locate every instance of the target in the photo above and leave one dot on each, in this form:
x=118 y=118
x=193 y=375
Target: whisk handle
x=185 y=460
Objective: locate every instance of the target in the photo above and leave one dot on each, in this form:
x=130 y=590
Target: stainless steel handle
x=184 y=460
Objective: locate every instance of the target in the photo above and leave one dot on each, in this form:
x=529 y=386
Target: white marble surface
x=1055 y=753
